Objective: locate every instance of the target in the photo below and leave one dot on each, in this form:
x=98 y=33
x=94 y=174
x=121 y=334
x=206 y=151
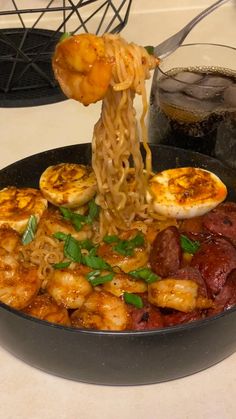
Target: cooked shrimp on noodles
x=102 y=311
x=78 y=65
x=101 y=253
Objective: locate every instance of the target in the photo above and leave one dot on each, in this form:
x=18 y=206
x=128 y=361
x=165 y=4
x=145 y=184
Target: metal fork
x=171 y=44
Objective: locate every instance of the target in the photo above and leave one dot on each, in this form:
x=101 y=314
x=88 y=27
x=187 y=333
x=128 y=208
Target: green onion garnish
x=61 y=265
x=189 y=246
x=64 y=36
x=30 y=230
x=93 y=211
x=95 y=262
x=149 y=49
x=95 y=278
x=111 y=239
x=78 y=220
x=125 y=247
x=146 y=274
x=93 y=251
x=133 y=299
x=72 y=249
x=60 y=236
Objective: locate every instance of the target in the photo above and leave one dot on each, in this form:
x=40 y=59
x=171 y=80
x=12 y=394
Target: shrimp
x=53 y=222
x=125 y=263
x=101 y=311
x=69 y=287
x=45 y=308
x=82 y=68
x=178 y=294
x=122 y=282
x=18 y=283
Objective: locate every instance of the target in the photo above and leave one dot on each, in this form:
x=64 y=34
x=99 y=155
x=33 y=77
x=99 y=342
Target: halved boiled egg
x=17 y=205
x=185 y=192
x=68 y=184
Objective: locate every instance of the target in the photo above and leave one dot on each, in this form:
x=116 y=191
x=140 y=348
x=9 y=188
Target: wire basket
x=28 y=42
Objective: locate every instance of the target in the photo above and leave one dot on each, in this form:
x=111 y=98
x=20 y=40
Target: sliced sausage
x=178 y=317
x=215 y=259
x=166 y=254
x=189 y=272
x=145 y=318
x=192 y=225
x=226 y=298
x=222 y=220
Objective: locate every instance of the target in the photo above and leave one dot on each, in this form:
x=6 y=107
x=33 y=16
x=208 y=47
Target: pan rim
x=162 y=331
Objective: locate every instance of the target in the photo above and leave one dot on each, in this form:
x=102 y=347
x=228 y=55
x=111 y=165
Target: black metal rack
x=26 y=77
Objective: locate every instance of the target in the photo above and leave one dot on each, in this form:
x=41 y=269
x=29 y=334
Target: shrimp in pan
x=122 y=282
x=45 y=308
x=102 y=311
x=138 y=259
x=69 y=287
x=18 y=284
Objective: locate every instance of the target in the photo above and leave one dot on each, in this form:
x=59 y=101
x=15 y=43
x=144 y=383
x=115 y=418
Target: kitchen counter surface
x=29 y=393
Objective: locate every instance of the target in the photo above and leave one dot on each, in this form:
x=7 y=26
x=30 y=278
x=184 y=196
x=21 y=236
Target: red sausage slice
x=226 y=298
x=178 y=317
x=222 y=220
x=215 y=259
x=145 y=318
x=166 y=254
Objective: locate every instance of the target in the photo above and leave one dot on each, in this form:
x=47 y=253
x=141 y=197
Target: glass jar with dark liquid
x=193 y=101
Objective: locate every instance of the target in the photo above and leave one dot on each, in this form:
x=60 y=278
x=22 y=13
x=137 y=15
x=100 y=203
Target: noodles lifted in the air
x=118 y=267
x=91 y=68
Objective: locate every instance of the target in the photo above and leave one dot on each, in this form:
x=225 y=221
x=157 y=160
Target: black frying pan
x=120 y=358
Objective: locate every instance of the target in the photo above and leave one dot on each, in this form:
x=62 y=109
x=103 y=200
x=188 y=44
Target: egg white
x=185 y=192
x=18 y=204
x=68 y=184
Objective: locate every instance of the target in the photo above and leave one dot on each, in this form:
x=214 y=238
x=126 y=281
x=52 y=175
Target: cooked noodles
x=43 y=251
x=116 y=140
x=116 y=144
x=92 y=255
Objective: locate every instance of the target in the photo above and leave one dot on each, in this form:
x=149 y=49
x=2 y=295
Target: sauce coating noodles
x=116 y=159
x=113 y=248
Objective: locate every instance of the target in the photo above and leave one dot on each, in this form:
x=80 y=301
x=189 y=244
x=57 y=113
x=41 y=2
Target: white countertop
x=28 y=393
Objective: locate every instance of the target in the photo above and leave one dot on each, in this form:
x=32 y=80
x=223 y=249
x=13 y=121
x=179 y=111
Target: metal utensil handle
x=170 y=44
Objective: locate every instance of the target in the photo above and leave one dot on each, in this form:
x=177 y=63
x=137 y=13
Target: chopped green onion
x=61 y=265
x=189 y=246
x=78 y=220
x=149 y=49
x=93 y=251
x=64 y=36
x=72 y=249
x=66 y=212
x=95 y=262
x=86 y=244
x=126 y=247
x=133 y=299
x=123 y=249
x=93 y=274
x=93 y=211
x=30 y=230
x=59 y=235
x=111 y=239
x=146 y=274
x=95 y=278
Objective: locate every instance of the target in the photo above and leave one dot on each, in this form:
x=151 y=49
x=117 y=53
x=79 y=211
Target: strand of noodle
x=115 y=140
